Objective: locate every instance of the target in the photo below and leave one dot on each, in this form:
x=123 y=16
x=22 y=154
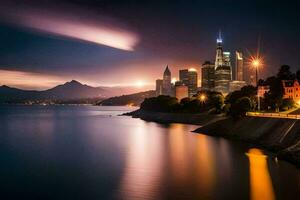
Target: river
x=88 y=152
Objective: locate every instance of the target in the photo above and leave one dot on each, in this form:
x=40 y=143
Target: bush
x=160 y=104
x=218 y=102
x=287 y=104
x=240 y=107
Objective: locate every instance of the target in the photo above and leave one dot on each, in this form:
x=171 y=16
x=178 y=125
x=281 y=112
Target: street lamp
x=202 y=97
x=256 y=63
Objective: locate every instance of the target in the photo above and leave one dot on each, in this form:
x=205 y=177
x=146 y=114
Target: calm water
x=85 y=152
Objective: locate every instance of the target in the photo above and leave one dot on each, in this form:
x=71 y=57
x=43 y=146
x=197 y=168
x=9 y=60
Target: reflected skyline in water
x=90 y=152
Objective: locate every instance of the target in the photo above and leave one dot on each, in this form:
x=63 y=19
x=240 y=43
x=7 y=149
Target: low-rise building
x=262 y=89
x=291 y=90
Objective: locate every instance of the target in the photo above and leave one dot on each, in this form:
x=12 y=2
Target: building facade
x=159 y=87
x=222 y=79
x=184 y=76
x=193 y=82
x=239 y=66
x=208 y=76
x=167 y=85
x=291 y=90
x=236 y=85
x=262 y=89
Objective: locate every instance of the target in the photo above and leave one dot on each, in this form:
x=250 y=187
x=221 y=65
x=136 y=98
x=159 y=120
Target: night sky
x=36 y=54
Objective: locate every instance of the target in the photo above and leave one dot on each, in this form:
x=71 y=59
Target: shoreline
x=279 y=136
x=201 y=119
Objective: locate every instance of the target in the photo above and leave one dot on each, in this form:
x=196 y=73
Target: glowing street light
x=256 y=63
x=202 y=98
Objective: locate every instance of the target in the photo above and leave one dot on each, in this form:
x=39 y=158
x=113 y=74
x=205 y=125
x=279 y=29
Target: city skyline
x=56 y=56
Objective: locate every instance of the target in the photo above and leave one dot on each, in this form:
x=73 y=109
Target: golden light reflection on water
x=260 y=179
x=205 y=165
x=142 y=171
x=178 y=153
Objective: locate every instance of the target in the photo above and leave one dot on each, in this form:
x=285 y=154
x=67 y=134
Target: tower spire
x=219 y=39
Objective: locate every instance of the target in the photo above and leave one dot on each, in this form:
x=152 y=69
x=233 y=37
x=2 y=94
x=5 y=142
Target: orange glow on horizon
x=29 y=80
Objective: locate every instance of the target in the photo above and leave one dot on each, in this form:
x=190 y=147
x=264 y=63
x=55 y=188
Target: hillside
x=72 y=90
x=133 y=99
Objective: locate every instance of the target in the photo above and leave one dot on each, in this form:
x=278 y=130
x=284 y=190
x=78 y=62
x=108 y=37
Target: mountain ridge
x=69 y=90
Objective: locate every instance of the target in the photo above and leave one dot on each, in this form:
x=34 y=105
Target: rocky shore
x=281 y=136
x=185 y=118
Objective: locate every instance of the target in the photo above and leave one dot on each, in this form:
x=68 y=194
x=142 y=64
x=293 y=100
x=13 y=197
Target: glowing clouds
x=95 y=29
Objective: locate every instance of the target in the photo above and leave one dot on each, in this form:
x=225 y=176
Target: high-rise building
x=222 y=79
x=239 y=66
x=223 y=73
x=167 y=85
x=208 y=76
x=159 y=87
x=184 y=76
x=226 y=58
x=219 y=52
x=227 y=61
x=236 y=85
x=193 y=82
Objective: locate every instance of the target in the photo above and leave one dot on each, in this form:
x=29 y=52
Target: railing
x=273 y=115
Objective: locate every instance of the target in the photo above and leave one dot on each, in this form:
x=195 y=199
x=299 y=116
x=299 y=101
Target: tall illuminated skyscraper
x=193 y=82
x=208 y=76
x=184 y=76
x=223 y=68
x=239 y=66
x=219 y=52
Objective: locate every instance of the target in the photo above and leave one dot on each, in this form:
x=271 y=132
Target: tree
x=287 y=104
x=246 y=91
x=240 y=107
x=284 y=73
x=160 y=104
x=273 y=98
x=298 y=75
x=218 y=102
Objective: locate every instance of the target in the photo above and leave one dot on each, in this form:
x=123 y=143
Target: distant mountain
x=68 y=91
x=73 y=90
x=131 y=99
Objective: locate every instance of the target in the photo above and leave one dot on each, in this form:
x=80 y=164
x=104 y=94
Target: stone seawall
x=281 y=136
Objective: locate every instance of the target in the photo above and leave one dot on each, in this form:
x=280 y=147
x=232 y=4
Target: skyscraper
x=239 y=66
x=223 y=68
x=167 y=85
x=227 y=62
x=219 y=52
x=208 y=76
x=184 y=76
x=222 y=79
x=193 y=82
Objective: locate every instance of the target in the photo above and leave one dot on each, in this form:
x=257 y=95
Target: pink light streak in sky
x=74 y=25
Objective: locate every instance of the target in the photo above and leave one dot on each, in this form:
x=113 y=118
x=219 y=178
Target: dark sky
x=179 y=33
